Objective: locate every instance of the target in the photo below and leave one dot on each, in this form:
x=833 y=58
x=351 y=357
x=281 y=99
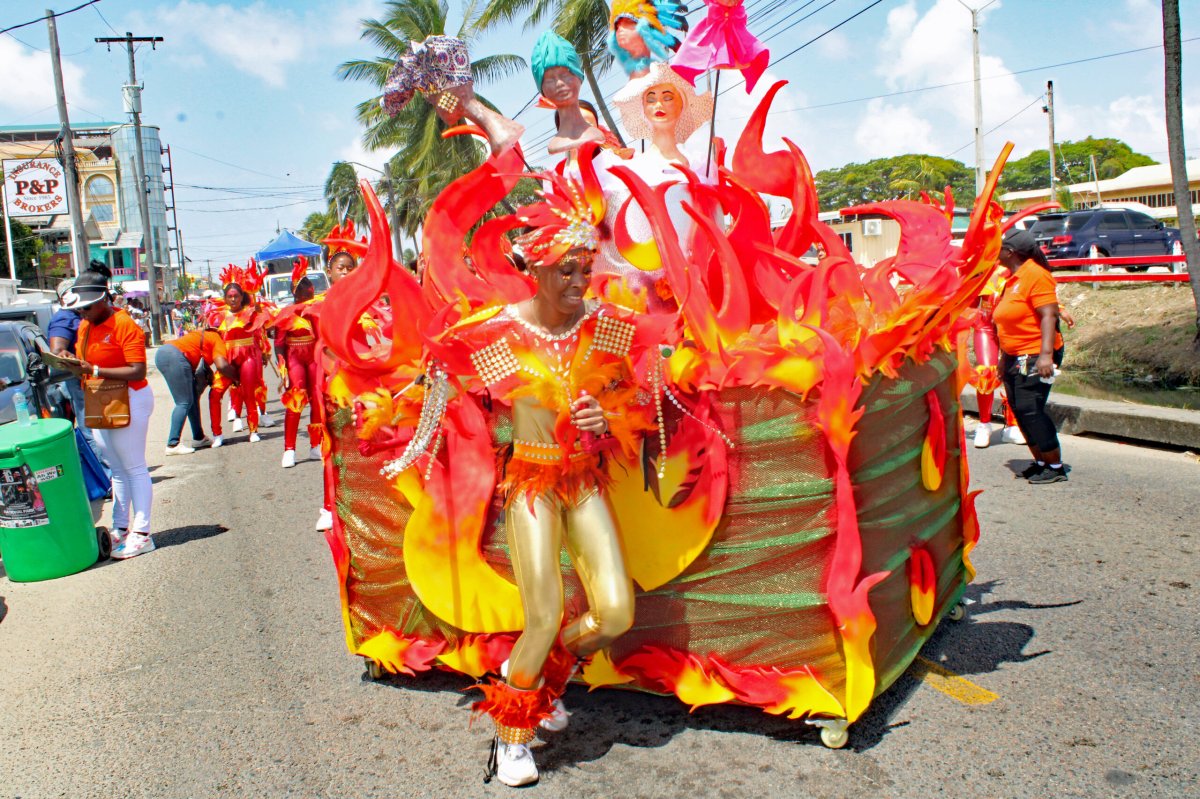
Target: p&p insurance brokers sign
x=35 y=187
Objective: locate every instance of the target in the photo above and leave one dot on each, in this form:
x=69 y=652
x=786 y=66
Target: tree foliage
x=26 y=247
x=317 y=225
x=424 y=163
x=898 y=177
x=1073 y=164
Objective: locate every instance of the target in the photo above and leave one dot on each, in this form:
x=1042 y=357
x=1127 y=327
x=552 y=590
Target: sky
x=246 y=96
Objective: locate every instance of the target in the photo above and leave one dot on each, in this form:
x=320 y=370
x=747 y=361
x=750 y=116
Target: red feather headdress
x=568 y=218
x=299 y=270
x=249 y=278
x=341 y=239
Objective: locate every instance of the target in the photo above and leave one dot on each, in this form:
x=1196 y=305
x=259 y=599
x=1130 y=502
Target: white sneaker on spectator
x=289 y=458
x=314 y=454
x=265 y=420
x=134 y=544
x=238 y=426
x=514 y=765
x=1012 y=435
x=983 y=435
x=117 y=536
x=232 y=415
x=218 y=441
x=324 y=520
x=255 y=438
x=180 y=449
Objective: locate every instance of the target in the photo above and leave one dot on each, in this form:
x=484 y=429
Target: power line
x=1037 y=99
x=235 y=166
x=51 y=15
x=106 y=22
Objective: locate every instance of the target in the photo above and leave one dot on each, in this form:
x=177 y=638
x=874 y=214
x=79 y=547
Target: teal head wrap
x=553 y=50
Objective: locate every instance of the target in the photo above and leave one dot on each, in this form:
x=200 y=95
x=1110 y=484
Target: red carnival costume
x=296 y=348
x=244 y=333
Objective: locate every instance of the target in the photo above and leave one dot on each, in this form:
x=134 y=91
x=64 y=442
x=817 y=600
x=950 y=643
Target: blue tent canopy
x=288 y=245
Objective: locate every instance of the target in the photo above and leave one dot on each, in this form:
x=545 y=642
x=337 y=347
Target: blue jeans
x=175 y=368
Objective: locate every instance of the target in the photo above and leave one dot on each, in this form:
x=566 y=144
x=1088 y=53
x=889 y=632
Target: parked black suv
x=1113 y=232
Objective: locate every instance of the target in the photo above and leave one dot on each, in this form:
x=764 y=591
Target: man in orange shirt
x=1032 y=349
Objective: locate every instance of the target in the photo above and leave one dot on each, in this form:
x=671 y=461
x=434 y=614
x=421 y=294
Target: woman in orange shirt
x=113 y=347
x=177 y=361
x=1031 y=350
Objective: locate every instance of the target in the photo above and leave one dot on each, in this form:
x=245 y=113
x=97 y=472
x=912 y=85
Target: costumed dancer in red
x=566 y=367
x=240 y=321
x=296 y=351
x=987 y=370
x=344 y=252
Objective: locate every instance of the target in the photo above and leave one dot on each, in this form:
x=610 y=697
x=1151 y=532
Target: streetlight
x=389 y=184
x=978 y=93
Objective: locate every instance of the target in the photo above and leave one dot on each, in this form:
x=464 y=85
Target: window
x=848 y=240
x=1142 y=222
x=1113 y=222
x=101 y=198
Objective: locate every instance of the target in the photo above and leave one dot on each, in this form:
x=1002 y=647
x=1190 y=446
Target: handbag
x=95 y=478
x=203 y=377
x=105 y=401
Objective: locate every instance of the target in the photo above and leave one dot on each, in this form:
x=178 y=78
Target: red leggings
x=302 y=374
x=987 y=355
x=249 y=368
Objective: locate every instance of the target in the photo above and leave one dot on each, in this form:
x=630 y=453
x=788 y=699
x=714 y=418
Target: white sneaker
x=238 y=426
x=324 y=520
x=314 y=454
x=265 y=420
x=202 y=443
x=514 y=765
x=218 y=441
x=134 y=544
x=117 y=536
x=983 y=435
x=289 y=458
x=232 y=415
x=255 y=438
x=1012 y=435
x=558 y=720
x=180 y=449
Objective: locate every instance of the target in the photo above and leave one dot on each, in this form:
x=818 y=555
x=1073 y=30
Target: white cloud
x=262 y=39
x=1139 y=121
x=372 y=158
x=888 y=130
x=29 y=80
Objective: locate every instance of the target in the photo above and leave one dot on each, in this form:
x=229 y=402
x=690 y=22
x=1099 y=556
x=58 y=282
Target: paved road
x=216 y=666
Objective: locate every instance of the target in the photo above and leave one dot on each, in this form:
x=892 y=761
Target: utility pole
x=81 y=259
x=133 y=106
x=979 y=176
x=1049 y=109
x=397 y=245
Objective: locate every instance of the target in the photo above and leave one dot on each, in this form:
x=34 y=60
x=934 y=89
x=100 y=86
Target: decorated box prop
x=807 y=524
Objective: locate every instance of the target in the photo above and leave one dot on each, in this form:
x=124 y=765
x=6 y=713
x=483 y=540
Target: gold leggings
x=594 y=544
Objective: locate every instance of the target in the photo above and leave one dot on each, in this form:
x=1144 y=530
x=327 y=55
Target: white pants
x=125 y=450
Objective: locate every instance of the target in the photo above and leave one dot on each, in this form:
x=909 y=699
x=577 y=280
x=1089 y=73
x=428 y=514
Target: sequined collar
x=515 y=314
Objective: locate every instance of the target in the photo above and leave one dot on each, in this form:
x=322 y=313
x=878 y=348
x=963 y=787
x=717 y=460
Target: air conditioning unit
x=872 y=227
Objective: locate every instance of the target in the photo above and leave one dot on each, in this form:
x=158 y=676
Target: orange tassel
x=511 y=707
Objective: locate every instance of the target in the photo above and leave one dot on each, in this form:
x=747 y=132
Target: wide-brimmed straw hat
x=697 y=108
x=89 y=288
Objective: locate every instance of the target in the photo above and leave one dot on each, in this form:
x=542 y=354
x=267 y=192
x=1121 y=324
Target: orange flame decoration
x=933 y=451
x=478 y=655
x=299 y=270
x=796 y=692
x=679 y=673
x=250 y=278
x=401 y=654
x=922 y=584
x=294 y=399
x=751 y=313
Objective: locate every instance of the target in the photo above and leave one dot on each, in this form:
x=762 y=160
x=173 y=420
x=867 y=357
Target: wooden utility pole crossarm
x=133 y=105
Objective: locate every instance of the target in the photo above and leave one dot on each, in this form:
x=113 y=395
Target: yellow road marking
x=949 y=683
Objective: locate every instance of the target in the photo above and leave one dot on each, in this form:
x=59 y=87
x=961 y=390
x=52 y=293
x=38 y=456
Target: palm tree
x=1183 y=200
x=342 y=194
x=424 y=162
x=317 y=225
x=924 y=175
x=583 y=23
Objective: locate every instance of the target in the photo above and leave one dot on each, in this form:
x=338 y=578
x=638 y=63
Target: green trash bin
x=46 y=528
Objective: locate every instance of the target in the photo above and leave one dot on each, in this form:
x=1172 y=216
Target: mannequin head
x=663 y=105
x=561 y=86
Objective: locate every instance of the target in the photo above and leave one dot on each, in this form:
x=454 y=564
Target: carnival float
x=783 y=448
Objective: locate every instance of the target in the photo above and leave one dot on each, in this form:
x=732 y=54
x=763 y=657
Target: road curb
x=1175 y=427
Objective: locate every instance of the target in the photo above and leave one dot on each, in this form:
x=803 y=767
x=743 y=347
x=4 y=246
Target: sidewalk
x=1173 y=427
